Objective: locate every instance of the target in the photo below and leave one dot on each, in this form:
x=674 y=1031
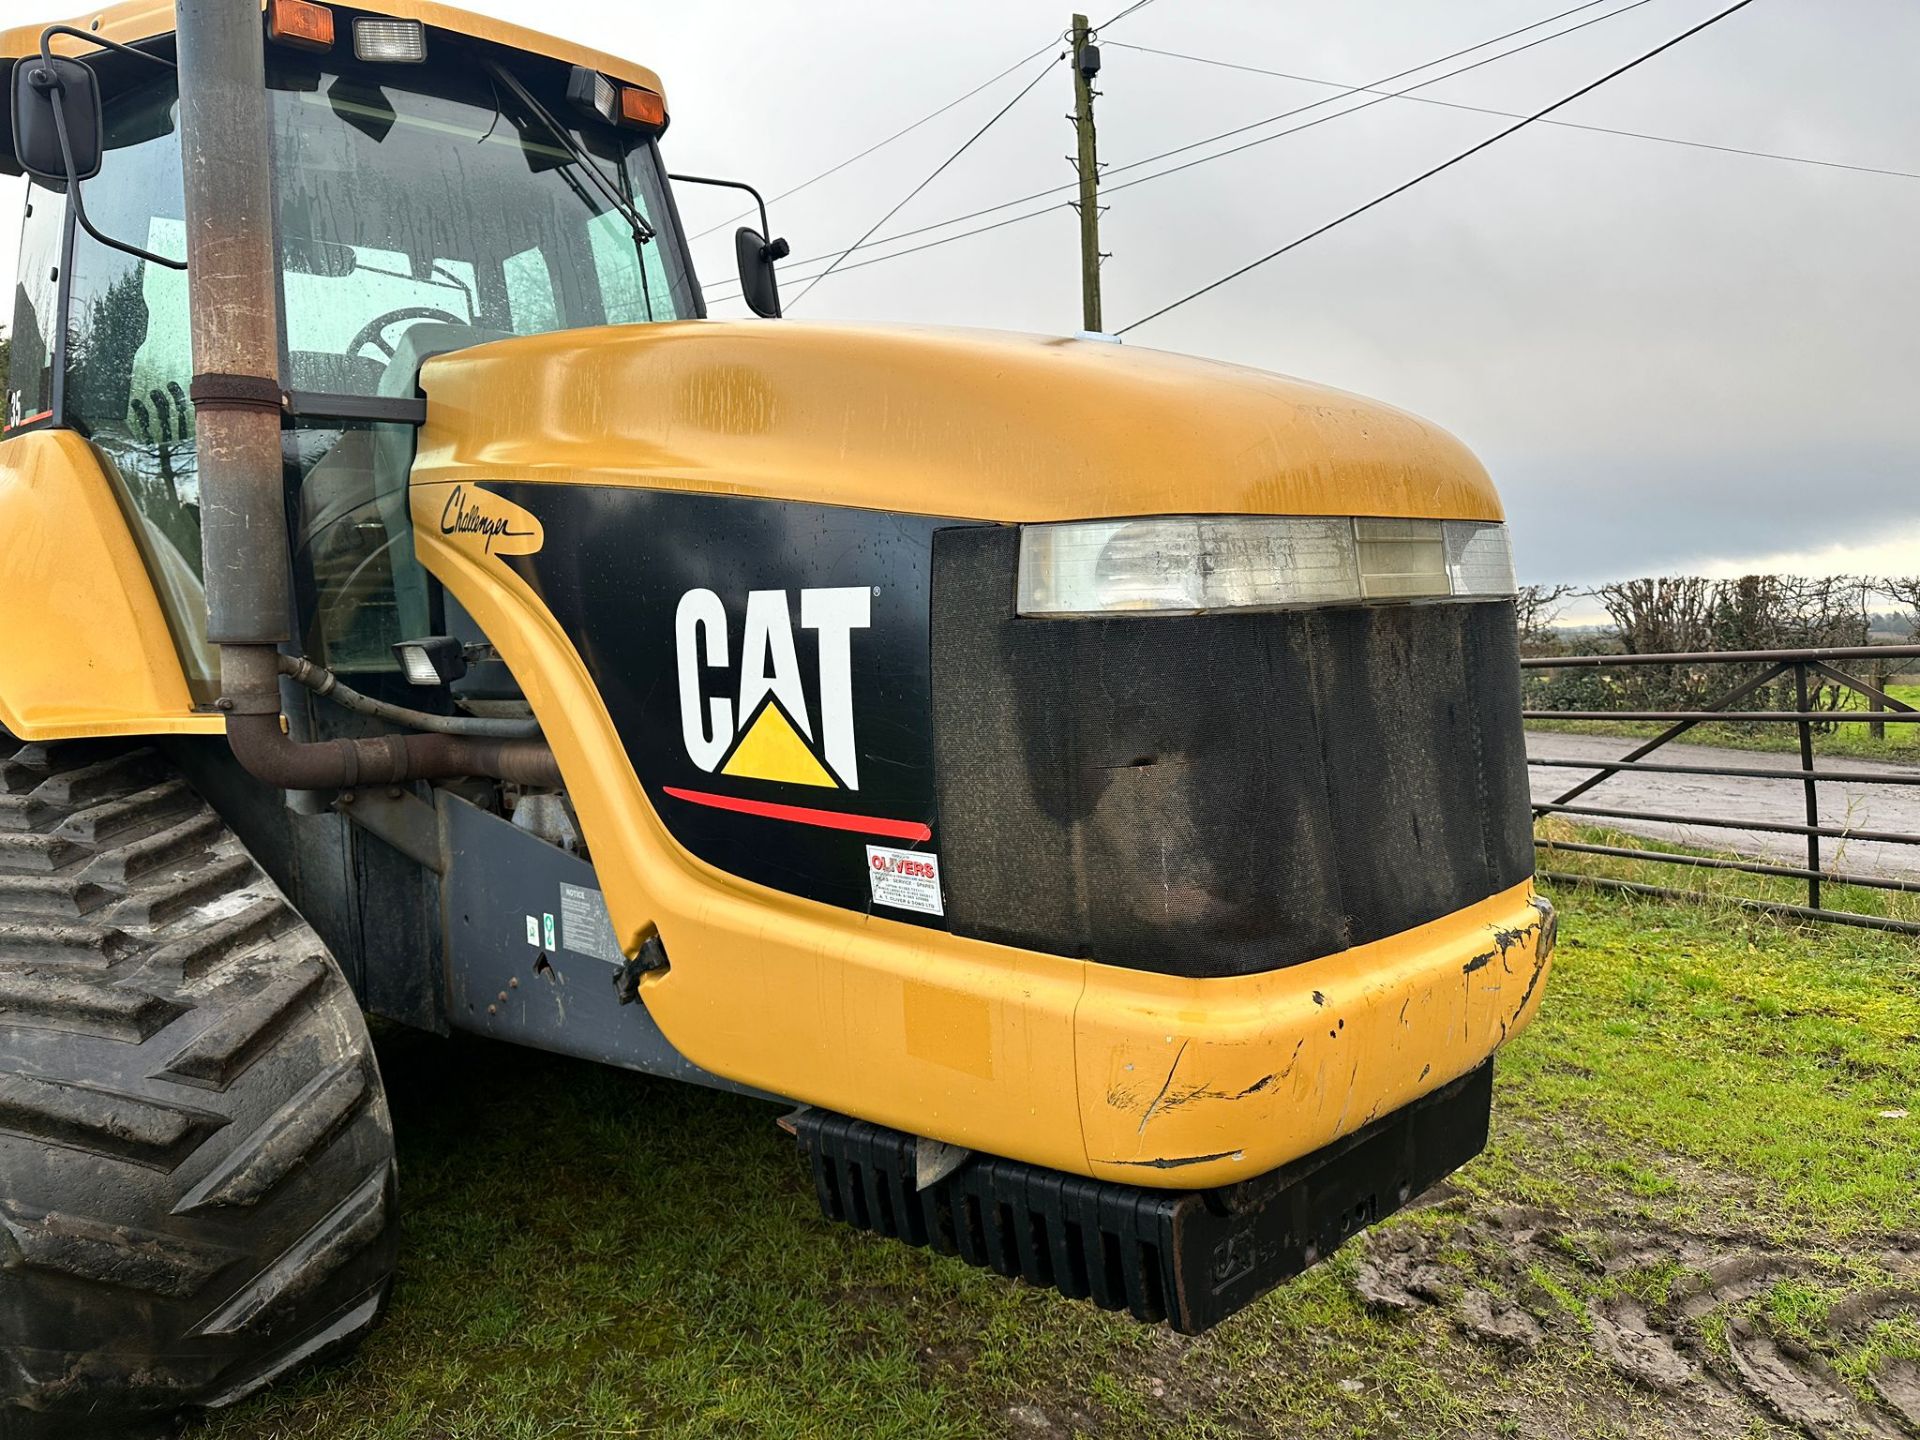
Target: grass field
x=1853 y=741
x=1700 y=1215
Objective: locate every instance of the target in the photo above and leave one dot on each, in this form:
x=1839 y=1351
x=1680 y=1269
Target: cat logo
x=766 y=732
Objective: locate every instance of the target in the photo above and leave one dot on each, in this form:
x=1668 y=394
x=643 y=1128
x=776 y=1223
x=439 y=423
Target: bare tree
x=1535 y=608
x=1660 y=615
x=1903 y=590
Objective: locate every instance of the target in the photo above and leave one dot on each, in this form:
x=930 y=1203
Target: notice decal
x=585 y=926
x=905 y=879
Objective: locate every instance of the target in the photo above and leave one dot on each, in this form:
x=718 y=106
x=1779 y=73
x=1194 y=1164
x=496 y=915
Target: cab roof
x=135 y=20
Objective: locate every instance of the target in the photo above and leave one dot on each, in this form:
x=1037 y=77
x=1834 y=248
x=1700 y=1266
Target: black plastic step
x=1190 y=1258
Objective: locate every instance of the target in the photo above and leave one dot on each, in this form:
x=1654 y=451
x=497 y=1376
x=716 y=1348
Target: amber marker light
x=643 y=107
x=300 y=24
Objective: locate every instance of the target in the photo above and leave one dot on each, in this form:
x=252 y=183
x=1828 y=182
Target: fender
x=85 y=648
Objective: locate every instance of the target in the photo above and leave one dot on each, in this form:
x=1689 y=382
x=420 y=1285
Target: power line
x=1040 y=75
x=1380 y=98
x=1116 y=19
x=1346 y=89
x=882 y=144
x=1283 y=115
x=1401 y=75
x=1277 y=135
x=1443 y=165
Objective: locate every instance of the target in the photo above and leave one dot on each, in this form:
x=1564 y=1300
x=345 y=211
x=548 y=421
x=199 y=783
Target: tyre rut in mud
x=1717 y=1361
x=196 y=1161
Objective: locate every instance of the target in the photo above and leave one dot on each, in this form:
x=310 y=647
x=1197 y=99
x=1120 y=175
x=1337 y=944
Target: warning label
x=905 y=879
x=585 y=926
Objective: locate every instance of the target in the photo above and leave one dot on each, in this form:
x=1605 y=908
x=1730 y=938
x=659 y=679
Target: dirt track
x=1857 y=806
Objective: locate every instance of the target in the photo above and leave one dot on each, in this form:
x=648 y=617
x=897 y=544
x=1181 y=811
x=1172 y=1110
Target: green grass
x=1731 y=1067
x=589 y=1253
x=1850 y=740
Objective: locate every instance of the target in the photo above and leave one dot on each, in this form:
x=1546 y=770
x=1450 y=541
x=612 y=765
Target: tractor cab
x=431 y=191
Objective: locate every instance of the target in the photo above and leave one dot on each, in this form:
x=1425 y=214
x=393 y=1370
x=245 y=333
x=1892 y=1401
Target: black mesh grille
x=1188 y=1257
x=1218 y=795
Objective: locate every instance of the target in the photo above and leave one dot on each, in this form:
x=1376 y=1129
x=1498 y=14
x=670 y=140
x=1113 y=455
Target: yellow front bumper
x=1091 y=1069
x=1209 y=1081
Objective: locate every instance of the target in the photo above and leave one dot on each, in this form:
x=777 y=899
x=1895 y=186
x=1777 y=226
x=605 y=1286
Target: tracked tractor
x=1083 y=785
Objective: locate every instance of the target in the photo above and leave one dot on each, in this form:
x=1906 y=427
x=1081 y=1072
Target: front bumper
x=1191 y=1258
x=1205 y=1082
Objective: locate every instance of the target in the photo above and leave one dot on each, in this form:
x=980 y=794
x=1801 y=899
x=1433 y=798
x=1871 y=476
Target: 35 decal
x=744 y=713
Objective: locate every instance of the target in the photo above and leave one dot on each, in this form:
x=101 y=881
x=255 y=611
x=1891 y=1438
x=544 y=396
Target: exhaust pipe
x=232 y=271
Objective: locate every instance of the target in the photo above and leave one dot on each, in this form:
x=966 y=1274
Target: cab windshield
x=434 y=197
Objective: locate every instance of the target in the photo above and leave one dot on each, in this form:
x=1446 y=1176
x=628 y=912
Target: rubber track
x=196 y=1162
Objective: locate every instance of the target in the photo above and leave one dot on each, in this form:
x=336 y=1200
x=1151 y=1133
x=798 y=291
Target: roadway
x=1856 y=805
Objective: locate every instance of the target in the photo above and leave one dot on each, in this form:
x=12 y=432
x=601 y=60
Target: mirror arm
x=73 y=183
x=770 y=249
x=765 y=228
x=46 y=45
x=54 y=97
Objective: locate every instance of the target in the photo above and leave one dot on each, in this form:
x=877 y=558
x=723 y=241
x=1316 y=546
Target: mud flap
x=1190 y=1258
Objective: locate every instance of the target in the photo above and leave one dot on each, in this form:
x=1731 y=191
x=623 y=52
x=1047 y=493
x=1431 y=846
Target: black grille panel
x=1218 y=795
x=1190 y=1258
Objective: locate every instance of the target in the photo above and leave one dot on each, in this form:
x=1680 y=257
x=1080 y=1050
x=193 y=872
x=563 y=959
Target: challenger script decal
x=501 y=527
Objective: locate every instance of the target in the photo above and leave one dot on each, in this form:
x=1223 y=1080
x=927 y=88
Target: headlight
x=1189 y=566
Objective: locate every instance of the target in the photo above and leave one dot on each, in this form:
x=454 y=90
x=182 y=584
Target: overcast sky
x=1669 y=357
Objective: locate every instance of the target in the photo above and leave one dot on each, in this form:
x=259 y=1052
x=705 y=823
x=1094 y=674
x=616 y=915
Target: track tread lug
x=114 y=817
x=58 y=895
x=177 y=843
x=349 y=1228
x=153 y=906
x=110 y=1254
x=261 y=1160
x=79 y=945
x=194 y=954
x=128 y=1127
x=110 y=778
x=82 y=1005
x=244 y=1028
x=29 y=853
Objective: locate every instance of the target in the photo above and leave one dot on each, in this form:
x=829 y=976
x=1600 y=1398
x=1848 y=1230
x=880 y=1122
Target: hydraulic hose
x=322 y=681
x=250 y=698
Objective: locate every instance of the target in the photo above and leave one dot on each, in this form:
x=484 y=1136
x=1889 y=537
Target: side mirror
x=758 y=285
x=49 y=97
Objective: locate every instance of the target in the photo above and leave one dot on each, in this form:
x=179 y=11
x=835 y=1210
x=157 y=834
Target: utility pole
x=1086 y=65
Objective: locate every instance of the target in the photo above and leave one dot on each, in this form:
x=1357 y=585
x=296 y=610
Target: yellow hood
x=971 y=424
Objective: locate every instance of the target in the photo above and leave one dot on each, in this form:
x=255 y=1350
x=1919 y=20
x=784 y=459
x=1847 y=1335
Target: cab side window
x=130 y=356
x=129 y=353
x=28 y=381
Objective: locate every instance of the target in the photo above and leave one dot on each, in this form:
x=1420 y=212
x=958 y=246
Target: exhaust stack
x=232 y=270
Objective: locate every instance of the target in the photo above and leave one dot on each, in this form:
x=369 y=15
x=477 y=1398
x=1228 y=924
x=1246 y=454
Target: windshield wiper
x=642 y=231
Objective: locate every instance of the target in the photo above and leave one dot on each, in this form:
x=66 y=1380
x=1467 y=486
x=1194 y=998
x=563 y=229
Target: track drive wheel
x=196 y=1162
